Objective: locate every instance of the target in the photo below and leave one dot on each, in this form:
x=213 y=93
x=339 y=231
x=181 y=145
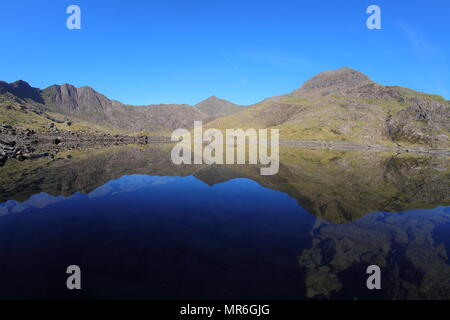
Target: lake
x=140 y=227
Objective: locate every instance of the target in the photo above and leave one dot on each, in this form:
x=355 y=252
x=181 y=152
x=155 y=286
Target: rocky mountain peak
x=73 y=99
x=19 y=84
x=334 y=80
x=23 y=90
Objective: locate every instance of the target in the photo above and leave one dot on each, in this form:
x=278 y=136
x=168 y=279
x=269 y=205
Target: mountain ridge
x=86 y=104
x=342 y=104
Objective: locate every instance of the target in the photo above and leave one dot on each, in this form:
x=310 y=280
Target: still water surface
x=140 y=227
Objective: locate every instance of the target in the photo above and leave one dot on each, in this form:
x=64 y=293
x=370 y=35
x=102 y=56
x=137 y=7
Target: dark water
x=139 y=227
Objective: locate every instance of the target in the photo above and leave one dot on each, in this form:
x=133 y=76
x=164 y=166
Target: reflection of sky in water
x=164 y=190
x=178 y=235
x=121 y=185
x=183 y=238
x=40 y=200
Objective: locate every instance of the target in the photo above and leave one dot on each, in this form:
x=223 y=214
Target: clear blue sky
x=183 y=51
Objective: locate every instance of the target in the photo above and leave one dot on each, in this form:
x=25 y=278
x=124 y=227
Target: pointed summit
x=211 y=99
x=332 y=81
x=215 y=107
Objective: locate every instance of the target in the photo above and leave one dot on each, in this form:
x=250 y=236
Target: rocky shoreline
x=23 y=144
x=349 y=146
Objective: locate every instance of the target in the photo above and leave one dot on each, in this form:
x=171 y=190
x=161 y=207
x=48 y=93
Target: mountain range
x=336 y=105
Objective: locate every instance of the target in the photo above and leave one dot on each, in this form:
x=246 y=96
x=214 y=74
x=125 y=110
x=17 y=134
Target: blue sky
x=167 y=51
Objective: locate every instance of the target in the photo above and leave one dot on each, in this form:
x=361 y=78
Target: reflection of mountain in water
x=335 y=186
x=411 y=248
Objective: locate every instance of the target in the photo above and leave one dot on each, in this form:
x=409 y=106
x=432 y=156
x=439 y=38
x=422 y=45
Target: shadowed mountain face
x=335 y=186
x=90 y=105
x=215 y=107
x=21 y=89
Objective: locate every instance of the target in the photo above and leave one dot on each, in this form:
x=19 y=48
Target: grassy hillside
x=25 y=117
x=369 y=114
